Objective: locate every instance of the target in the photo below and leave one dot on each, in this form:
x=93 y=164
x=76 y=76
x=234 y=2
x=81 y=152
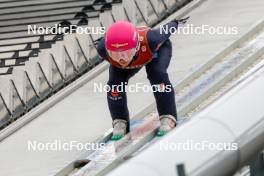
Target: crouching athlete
x=128 y=48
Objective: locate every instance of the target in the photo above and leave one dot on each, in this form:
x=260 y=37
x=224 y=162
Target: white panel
x=86 y=45
x=24 y=87
x=147 y=11
x=5 y=91
x=70 y=69
x=158 y=6
x=4 y=114
x=57 y=51
x=31 y=69
x=75 y=52
x=18 y=77
x=170 y=3
x=51 y=70
x=44 y=87
x=56 y=79
x=31 y=95
x=44 y=61
x=106 y=19
x=38 y=78
x=94 y=24
x=11 y=97
x=17 y=106
x=132 y=12
x=118 y=13
x=63 y=61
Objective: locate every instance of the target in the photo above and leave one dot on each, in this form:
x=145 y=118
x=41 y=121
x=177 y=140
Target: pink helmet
x=121 y=36
x=122 y=41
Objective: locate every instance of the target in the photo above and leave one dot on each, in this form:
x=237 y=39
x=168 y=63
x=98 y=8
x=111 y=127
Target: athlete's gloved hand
x=181 y=22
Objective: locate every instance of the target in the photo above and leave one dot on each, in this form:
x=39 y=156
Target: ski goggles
x=126 y=55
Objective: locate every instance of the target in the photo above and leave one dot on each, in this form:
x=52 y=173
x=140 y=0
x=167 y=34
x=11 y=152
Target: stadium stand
x=17 y=45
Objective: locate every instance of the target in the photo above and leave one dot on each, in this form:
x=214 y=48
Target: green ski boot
x=120 y=129
x=167 y=123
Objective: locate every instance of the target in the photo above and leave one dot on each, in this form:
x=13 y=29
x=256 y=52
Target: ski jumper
x=155 y=54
